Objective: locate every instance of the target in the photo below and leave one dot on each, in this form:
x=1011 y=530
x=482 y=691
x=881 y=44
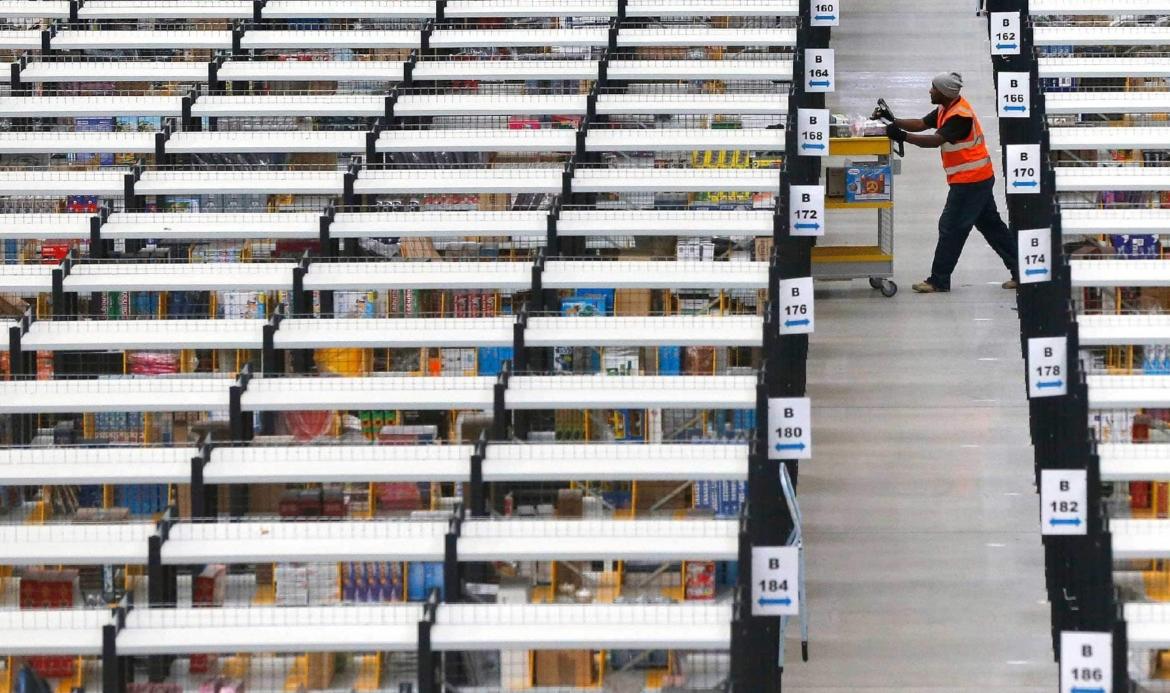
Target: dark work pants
x=970 y=204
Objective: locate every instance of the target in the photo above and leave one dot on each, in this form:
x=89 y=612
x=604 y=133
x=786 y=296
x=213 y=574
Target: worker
x=967 y=162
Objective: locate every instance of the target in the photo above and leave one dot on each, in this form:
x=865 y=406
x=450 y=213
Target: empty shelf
x=598 y=540
x=39 y=466
x=477 y=140
x=350 y=9
x=637 y=222
x=488 y=104
x=75 y=544
x=1061 y=68
x=34 y=9
x=490 y=627
x=217 y=276
x=684 y=140
x=260 y=142
x=1120 y=272
x=729 y=70
x=209 y=226
x=505 y=70
x=305 y=39
x=1107 y=102
x=439 y=224
x=514 y=38
x=1101 y=36
x=169 y=394
x=389 y=392
x=1128 y=391
x=26 y=280
x=38 y=632
x=1092 y=179
x=47 y=142
x=527 y=392
x=1073 y=138
x=37 y=226
x=705 y=36
x=57 y=183
x=677 y=330
x=1147 y=626
x=614 y=462
x=530 y=8
x=713 y=8
x=340 y=276
x=352 y=105
x=649 y=274
x=115 y=71
x=1147 y=462
x=311 y=70
x=705 y=104
x=1123 y=221
x=292 y=629
x=1140 y=539
x=1099 y=7
x=170 y=9
x=85 y=106
x=287 y=541
x=1123 y=330
x=648 y=180
x=124 y=335
x=20 y=40
x=338 y=463
x=394 y=333
x=404 y=181
x=88 y=39
x=241 y=182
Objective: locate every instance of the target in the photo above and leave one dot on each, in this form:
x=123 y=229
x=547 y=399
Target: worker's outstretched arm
x=910 y=124
x=931 y=141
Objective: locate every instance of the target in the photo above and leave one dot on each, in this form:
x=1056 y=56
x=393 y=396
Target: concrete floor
x=925 y=568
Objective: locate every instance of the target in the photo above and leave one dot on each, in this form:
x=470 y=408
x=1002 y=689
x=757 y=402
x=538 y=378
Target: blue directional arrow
x=819 y=83
x=764 y=601
x=1035 y=271
x=807 y=145
x=806 y=226
x=796 y=323
x=780 y=447
x=1005 y=46
x=1057 y=522
x=1025 y=183
x=1086 y=690
x=1021 y=109
x=1049 y=384
x=825 y=17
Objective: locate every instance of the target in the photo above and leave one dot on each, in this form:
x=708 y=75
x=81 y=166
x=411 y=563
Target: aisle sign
x=1035 y=255
x=1015 y=95
x=826 y=13
x=1063 y=500
x=1047 y=366
x=812 y=131
x=796 y=305
x=1086 y=662
x=819 y=75
x=789 y=428
x=1005 y=33
x=1023 y=169
x=775 y=581
x=806 y=210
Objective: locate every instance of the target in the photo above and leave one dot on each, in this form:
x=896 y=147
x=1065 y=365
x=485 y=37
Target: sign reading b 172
x=806 y=210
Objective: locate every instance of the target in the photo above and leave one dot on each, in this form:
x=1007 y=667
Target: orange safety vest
x=966 y=161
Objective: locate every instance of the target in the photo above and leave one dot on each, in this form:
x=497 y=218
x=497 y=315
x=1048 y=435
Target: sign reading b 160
x=826 y=13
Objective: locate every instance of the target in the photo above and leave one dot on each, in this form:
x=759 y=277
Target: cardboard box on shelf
x=319 y=669
x=835 y=181
x=659 y=493
x=634 y=302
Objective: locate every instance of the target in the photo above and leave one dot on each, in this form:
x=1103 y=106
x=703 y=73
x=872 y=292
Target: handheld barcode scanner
x=884 y=114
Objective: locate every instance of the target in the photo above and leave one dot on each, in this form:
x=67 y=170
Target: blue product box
x=869 y=183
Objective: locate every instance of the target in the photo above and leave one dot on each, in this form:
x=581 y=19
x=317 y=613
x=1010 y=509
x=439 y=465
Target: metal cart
x=872 y=262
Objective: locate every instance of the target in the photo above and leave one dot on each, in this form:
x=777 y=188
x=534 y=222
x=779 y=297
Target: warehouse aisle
x=925 y=562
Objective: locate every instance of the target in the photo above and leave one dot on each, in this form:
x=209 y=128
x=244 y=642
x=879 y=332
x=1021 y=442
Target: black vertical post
x=475 y=491
x=111 y=665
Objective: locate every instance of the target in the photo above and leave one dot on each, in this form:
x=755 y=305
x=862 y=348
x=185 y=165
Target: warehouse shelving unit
x=291 y=217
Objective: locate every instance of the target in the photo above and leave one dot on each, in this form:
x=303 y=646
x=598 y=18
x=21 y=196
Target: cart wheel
x=875 y=283
x=889 y=288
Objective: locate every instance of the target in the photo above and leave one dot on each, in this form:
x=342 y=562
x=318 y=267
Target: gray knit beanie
x=948 y=83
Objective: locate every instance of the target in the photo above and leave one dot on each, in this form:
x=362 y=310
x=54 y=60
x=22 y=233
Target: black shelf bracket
x=478 y=499
x=499 y=403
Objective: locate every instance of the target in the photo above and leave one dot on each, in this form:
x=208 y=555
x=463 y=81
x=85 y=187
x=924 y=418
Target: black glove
x=883 y=112
x=895 y=133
